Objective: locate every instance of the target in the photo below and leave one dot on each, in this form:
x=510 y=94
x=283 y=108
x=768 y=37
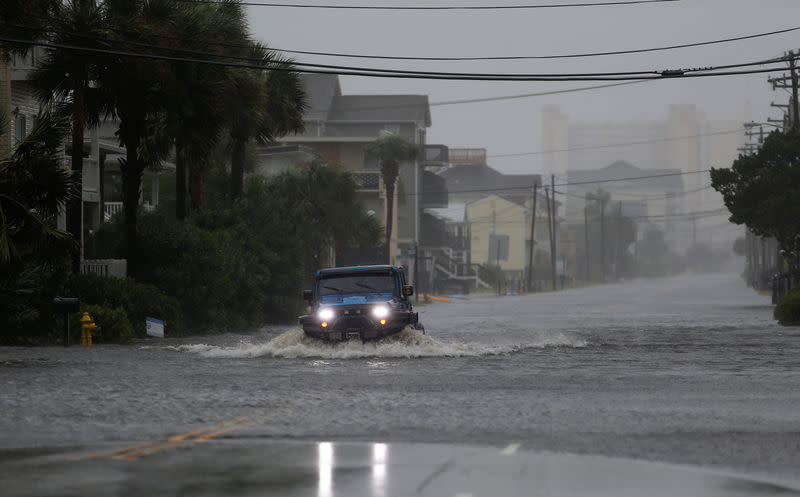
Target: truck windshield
x=356 y=283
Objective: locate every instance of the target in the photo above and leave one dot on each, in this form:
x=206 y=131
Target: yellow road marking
x=130 y=456
x=178 y=438
x=204 y=438
x=188 y=438
x=215 y=434
x=113 y=452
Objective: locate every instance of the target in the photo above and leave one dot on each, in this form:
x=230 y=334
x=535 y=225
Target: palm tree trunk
x=131 y=181
x=180 y=180
x=389 y=218
x=75 y=204
x=237 y=168
x=196 y=188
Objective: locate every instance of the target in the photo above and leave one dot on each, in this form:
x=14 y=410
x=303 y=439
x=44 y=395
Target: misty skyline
x=514 y=126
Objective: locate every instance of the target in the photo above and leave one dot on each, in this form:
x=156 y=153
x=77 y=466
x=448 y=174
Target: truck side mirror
x=408 y=290
x=308 y=295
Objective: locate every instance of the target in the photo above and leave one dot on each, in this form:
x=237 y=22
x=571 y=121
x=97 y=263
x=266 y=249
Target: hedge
x=787 y=312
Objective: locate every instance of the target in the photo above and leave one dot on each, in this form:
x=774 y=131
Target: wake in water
x=406 y=344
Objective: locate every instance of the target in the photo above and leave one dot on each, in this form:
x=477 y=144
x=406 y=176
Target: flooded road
x=688 y=370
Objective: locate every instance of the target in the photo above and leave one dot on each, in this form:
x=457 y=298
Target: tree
x=24 y=20
x=194 y=106
x=325 y=199
x=391 y=150
x=63 y=78
x=134 y=87
x=34 y=186
x=261 y=105
x=761 y=190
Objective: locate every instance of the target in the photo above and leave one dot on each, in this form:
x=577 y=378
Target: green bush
x=787 y=312
x=113 y=325
x=138 y=300
x=238 y=264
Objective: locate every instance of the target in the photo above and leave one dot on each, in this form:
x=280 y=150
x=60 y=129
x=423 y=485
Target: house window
x=392 y=129
x=20 y=130
x=498 y=248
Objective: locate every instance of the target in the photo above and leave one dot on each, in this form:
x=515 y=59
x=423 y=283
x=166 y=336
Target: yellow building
x=500 y=234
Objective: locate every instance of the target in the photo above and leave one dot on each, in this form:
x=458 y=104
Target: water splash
x=406 y=344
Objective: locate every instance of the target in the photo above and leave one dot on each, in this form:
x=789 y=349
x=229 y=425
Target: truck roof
x=357 y=269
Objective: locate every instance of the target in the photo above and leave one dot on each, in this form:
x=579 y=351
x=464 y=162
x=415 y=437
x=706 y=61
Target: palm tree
x=64 y=77
x=195 y=93
x=134 y=88
x=391 y=150
x=34 y=186
x=261 y=105
x=24 y=20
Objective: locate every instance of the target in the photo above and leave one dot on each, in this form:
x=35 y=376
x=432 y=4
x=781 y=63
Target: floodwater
x=690 y=370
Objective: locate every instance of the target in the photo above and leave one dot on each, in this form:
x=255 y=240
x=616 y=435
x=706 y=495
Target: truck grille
x=352 y=322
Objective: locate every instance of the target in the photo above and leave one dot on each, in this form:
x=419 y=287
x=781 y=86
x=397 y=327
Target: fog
x=514 y=126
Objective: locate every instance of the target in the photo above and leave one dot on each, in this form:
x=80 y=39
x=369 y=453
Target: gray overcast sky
x=514 y=126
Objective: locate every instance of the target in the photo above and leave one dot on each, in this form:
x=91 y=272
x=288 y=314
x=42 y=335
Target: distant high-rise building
x=686 y=141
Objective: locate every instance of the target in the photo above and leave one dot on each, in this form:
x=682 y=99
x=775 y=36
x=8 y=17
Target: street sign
x=155 y=327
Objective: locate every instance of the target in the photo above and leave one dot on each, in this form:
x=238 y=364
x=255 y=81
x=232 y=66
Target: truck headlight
x=325 y=314
x=380 y=311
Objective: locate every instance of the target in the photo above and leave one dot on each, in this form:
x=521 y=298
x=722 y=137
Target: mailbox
x=66 y=304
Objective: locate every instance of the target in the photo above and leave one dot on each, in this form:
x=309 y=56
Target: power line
x=683 y=216
x=633 y=178
x=635 y=197
x=449 y=7
x=384 y=57
x=614 y=145
x=378 y=73
x=432 y=104
x=527 y=188
x=350 y=68
x=541 y=57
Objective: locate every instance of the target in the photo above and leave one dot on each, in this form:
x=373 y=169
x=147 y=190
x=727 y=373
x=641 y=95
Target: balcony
x=368 y=181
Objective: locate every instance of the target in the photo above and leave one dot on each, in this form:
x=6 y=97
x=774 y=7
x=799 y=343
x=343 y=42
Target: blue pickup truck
x=359 y=302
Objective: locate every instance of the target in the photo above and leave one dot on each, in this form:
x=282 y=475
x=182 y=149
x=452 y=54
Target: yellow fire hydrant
x=87 y=327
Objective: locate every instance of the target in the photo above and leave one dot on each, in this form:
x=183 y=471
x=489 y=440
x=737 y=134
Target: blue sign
x=155 y=327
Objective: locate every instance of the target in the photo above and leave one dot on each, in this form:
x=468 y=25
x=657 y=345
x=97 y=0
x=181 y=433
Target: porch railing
x=105 y=267
x=368 y=181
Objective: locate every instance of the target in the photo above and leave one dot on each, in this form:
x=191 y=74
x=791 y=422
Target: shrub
x=787 y=312
x=113 y=325
x=138 y=300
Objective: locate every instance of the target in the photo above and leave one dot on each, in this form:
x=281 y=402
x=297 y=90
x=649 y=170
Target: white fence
x=105 y=267
x=111 y=208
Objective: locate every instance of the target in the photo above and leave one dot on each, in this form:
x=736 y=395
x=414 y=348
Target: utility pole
x=499 y=271
x=533 y=240
x=550 y=231
x=586 y=238
x=795 y=117
x=617 y=243
x=603 y=235
x=555 y=227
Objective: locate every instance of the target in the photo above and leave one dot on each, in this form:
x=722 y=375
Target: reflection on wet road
x=341 y=469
